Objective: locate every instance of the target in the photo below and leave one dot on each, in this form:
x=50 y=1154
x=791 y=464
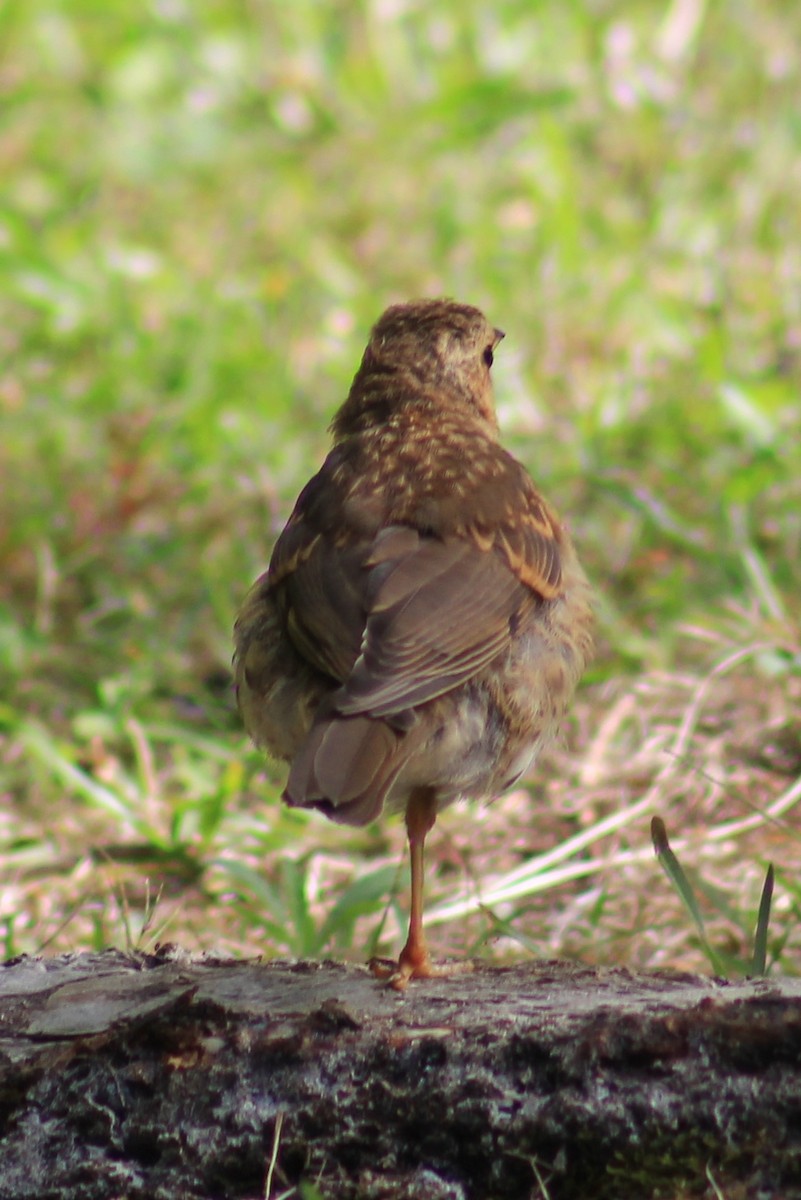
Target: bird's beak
x=499 y=336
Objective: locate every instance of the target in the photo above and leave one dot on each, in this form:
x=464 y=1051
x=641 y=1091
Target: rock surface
x=166 y=1076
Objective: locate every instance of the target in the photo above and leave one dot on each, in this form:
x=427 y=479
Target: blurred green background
x=203 y=208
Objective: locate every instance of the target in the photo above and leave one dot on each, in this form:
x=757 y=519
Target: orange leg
x=415 y=961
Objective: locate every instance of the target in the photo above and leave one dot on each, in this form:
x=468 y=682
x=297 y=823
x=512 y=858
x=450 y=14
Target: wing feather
x=440 y=615
x=401 y=615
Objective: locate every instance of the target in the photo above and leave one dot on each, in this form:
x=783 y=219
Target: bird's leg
x=415 y=961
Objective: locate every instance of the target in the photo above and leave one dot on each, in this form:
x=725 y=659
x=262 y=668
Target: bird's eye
x=488 y=356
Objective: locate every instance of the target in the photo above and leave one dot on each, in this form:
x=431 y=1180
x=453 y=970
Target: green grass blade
x=675 y=873
x=41 y=746
x=364 y=896
x=760 y=958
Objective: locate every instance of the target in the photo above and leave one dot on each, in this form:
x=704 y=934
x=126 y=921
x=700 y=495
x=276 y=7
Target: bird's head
x=422 y=351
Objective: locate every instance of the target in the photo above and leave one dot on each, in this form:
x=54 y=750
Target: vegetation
x=204 y=207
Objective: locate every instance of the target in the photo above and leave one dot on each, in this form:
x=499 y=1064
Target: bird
x=424 y=620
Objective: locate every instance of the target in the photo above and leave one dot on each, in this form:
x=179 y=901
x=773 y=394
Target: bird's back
x=423 y=621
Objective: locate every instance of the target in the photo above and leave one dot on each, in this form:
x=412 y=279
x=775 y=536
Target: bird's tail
x=346 y=767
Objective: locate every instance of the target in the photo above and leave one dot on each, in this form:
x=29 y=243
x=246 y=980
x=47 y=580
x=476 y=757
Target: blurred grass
x=204 y=207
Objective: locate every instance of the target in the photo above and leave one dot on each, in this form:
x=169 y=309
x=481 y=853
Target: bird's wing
x=439 y=611
x=401 y=615
x=319 y=582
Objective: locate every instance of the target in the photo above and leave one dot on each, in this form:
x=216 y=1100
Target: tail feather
x=346 y=768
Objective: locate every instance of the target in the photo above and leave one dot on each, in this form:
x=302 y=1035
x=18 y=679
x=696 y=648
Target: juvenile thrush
x=424 y=620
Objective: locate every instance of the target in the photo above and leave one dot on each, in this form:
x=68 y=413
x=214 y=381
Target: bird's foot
x=413 y=965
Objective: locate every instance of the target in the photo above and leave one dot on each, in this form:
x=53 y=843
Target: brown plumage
x=424 y=620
